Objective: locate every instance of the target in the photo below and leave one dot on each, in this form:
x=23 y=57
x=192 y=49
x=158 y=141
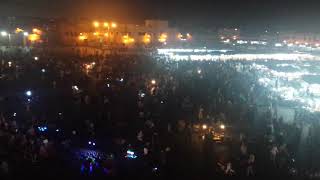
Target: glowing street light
x=36 y=31
x=153 y=81
x=204 y=127
x=36 y=58
x=82 y=37
x=28 y=93
x=33 y=37
x=96 y=24
x=4 y=33
x=127 y=40
x=18 y=30
x=222 y=126
x=163 y=38
x=113 y=25
x=146 y=38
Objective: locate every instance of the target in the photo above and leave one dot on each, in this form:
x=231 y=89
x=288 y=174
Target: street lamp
x=113 y=25
x=106 y=24
x=96 y=24
x=28 y=93
x=4 y=33
x=204 y=127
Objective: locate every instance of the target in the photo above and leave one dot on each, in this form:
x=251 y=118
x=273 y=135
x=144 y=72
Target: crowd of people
x=140 y=112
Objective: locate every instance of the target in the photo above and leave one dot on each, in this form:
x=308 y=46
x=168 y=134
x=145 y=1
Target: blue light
x=42 y=128
x=131 y=155
x=82 y=168
x=28 y=93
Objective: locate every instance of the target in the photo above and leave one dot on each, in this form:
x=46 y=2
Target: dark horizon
x=253 y=15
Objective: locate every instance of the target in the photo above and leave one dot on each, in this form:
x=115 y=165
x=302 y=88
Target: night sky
x=254 y=14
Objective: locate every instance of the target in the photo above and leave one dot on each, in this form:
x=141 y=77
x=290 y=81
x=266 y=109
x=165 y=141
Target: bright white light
x=242 y=42
x=4 y=33
x=258 y=42
x=278 y=45
x=153 y=81
x=75 y=88
x=25 y=33
x=199 y=71
x=247 y=57
x=204 y=127
x=43 y=70
x=222 y=126
x=226 y=41
x=36 y=58
x=28 y=93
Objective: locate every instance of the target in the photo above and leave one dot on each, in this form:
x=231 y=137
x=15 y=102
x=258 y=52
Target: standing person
x=201 y=114
x=250 y=166
x=274 y=151
x=229 y=171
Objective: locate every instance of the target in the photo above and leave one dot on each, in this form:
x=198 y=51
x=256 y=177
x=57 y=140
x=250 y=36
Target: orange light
x=105 y=24
x=113 y=25
x=163 y=38
x=147 y=38
x=96 y=24
x=127 y=40
x=82 y=37
x=106 y=34
x=36 y=31
x=18 y=30
x=96 y=33
x=33 y=37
